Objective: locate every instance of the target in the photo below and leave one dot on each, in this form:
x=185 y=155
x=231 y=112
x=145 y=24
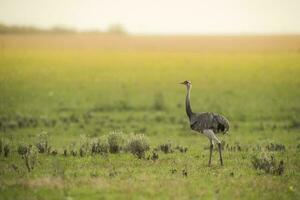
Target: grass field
x=80 y=87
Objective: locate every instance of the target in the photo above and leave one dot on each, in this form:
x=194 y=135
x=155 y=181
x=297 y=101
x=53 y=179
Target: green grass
x=138 y=90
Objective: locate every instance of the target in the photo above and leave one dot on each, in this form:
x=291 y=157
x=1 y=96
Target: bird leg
x=210 y=152
x=220 y=152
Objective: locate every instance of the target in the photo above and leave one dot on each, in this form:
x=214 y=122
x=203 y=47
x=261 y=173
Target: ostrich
x=207 y=123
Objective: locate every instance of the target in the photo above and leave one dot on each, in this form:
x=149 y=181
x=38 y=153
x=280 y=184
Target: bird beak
x=182 y=83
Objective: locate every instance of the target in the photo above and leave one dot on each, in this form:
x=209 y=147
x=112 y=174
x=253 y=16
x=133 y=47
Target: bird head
x=187 y=83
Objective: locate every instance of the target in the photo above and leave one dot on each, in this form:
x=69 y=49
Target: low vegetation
x=268 y=164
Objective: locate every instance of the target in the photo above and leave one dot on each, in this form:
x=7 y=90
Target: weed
x=115 y=141
x=100 y=145
x=31 y=157
x=42 y=143
x=73 y=150
x=54 y=152
x=268 y=164
x=65 y=152
x=275 y=147
x=84 y=146
x=185 y=172
x=154 y=156
x=138 y=145
x=6 y=150
x=166 y=148
x=173 y=171
x=181 y=149
x=1 y=146
x=23 y=149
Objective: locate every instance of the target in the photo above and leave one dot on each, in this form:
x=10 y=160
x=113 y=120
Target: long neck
x=188 y=102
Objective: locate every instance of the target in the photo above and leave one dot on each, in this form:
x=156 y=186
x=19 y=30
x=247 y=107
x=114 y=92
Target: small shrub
x=173 y=171
x=65 y=152
x=166 y=148
x=268 y=164
x=84 y=146
x=235 y=147
x=115 y=142
x=154 y=156
x=100 y=145
x=138 y=145
x=73 y=150
x=82 y=152
x=181 y=149
x=1 y=146
x=185 y=172
x=275 y=147
x=6 y=150
x=23 y=149
x=54 y=152
x=31 y=158
x=42 y=143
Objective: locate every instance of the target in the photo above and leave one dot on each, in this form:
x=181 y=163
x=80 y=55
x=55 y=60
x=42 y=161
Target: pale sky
x=158 y=16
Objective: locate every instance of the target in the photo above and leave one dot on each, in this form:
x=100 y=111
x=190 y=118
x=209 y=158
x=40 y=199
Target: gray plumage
x=208 y=123
x=209 y=120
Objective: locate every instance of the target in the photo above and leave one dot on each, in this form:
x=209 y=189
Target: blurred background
x=149 y=17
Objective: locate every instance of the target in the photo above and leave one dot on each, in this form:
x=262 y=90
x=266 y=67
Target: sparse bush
x=42 y=143
x=82 y=152
x=23 y=149
x=54 y=152
x=166 y=148
x=275 y=147
x=173 y=171
x=185 y=172
x=73 y=150
x=73 y=118
x=181 y=149
x=235 y=147
x=268 y=164
x=138 y=145
x=6 y=150
x=65 y=152
x=84 y=146
x=1 y=146
x=31 y=157
x=115 y=142
x=154 y=156
x=100 y=145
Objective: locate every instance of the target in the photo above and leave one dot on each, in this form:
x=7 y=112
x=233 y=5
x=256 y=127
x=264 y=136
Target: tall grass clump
x=268 y=164
x=4 y=147
x=42 y=143
x=22 y=149
x=84 y=146
x=138 y=145
x=29 y=153
x=1 y=146
x=100 y=145
x=115 y=141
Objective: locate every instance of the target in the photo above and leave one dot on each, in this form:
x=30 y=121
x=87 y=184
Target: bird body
x=207 y=123
x=209 y=120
